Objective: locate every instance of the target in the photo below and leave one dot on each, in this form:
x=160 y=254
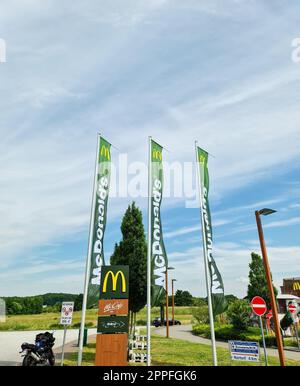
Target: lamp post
x=258 y=213
x=173 y=302
x=167 y=302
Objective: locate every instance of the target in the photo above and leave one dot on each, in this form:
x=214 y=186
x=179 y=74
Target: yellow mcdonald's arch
x=105 y=152
x=202 y=159
x=296 y=286
x=157 y=154
x=114 y=278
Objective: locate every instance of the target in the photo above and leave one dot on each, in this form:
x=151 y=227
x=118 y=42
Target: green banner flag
x=159 y=260
x=99 y=213
x=219 y=302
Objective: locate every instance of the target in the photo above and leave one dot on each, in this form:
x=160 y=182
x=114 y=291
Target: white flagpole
x=149 y=258
x=89 y=256
x=207 y=275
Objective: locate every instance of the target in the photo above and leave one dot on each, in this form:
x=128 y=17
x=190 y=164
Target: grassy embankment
x=48 y=321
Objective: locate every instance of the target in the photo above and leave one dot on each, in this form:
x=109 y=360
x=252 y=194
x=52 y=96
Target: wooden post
x=271 y=290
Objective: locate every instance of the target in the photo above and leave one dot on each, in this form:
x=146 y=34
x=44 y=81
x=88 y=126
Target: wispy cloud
x=192 y=229
x=171 y=69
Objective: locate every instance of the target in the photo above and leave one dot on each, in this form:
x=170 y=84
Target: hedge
x=228 y=332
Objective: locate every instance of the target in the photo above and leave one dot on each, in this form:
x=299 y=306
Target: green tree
x=132 y=251
x=183 y=298
x=257 y=280
x=239 y=313
x=230 y=298
x=78 y=302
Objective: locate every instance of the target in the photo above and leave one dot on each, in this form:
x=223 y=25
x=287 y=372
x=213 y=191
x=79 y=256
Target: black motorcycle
x=41 y=352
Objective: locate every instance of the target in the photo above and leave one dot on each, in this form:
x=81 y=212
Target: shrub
x=239 y=313
x=201 y=314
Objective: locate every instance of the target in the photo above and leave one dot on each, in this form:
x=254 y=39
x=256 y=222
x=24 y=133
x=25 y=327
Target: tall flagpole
x=207 y=276
x=149 y=258
x=89 y=256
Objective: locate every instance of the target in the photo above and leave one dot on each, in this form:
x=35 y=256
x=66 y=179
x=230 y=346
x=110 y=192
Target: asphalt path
x=10 y=343
x=184 y=332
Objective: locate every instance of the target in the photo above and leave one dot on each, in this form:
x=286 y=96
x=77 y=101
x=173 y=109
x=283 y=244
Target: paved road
x=10 y=343
x=184 y=332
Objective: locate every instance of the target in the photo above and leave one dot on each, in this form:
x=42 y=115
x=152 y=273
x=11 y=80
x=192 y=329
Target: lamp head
x=267 y=211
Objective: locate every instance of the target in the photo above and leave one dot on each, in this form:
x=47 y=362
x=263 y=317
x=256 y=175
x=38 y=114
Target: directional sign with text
x=67 y=309
x=112 y=324
x=259 y=306
x=244 y=351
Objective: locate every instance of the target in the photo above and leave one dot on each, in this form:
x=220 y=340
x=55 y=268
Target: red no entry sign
x=269 y=314
x=292 y=308
x=259 y=306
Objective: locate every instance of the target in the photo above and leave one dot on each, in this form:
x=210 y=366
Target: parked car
x=157 y=322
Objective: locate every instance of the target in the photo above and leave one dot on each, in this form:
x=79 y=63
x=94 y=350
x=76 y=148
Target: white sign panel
x=2 y=311
x=67 y=309
x=244 y=351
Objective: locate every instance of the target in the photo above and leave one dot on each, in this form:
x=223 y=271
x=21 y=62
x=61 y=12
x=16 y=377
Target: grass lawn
x=48 y=321
x=175 y=352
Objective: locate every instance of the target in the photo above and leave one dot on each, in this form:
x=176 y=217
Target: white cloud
x=233 y=262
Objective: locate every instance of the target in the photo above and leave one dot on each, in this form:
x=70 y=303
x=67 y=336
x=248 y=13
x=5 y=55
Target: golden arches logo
x=105 y=152
x=202 y=158
x=157 y=154
x=114 y=279
x=296 y=286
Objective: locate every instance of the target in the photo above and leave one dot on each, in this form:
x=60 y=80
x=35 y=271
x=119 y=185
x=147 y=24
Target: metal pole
x=173 y=304
x=63 y=346
x=149 y=258
x=263 y=339
x=207 y=276
x=88 y=260
x=167 y=305
x=296 y=332
x=271 y=290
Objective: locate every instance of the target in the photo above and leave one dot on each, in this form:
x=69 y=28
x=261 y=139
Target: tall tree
x=257 y=280
x=132 y=251
x=183 y=298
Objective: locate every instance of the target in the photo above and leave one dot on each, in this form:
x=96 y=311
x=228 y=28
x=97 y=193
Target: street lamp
x=173 y=303
x=258 y=213
x=167 y=301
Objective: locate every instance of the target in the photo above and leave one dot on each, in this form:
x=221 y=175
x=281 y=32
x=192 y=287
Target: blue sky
x=216 y=71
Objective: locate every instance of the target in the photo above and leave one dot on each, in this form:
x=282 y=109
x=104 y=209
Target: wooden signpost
x=112 y=331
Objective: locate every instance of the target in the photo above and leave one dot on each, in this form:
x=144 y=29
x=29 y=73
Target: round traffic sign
x=259 y=306
x=292 y=308
x=269 y=314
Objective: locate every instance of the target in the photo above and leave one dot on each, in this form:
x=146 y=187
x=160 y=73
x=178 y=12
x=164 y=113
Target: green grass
x=48 y=321
x=44 y=321
x=175 y=352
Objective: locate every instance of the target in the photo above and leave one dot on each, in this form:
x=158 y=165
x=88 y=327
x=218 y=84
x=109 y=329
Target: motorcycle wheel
x=28 y=361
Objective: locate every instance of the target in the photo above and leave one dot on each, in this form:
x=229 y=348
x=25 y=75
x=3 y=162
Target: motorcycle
x=41 y=352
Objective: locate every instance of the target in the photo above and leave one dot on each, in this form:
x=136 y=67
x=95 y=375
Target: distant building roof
x=288 y=297
x=293 y=278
